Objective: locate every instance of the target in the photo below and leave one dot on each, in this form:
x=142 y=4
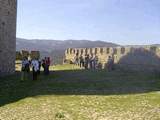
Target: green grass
x=73 y=94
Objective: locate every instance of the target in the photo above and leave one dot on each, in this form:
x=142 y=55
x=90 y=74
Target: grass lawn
x=69 y=93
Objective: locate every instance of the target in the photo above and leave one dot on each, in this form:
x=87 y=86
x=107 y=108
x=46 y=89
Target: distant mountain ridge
x=56 y=48
x=50 y=45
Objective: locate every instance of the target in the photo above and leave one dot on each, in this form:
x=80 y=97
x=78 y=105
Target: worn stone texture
x=129 y=58
x=8 y=14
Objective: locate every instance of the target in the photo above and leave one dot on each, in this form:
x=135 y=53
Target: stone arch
x=115 y=51
x=91 y=51
x=82 y=51
x=70 y=50
x=74 y=51
x=107 y=50
x=77 y=51
x=96 y=50
x=122 y=50
x=86 y=51
x=101 y=50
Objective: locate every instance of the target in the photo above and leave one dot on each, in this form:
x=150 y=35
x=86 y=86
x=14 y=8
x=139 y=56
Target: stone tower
x=8 y=14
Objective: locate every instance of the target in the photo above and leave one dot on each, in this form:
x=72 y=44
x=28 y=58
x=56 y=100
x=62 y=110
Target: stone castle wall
x=29 y=54
x=8 y=11
x=144 y=58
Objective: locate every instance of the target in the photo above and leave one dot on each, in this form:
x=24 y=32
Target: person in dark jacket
x=86 y=61
x=110 y=63
x=44 y=66
x=47 y=64
x=81 y=61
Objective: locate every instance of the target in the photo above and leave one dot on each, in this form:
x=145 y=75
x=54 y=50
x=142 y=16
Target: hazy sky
x=118 y=21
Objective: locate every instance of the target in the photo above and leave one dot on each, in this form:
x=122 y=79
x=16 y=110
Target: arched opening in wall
x=101 y=50
x=74 y=51
x=96 y=50
x=91 y=52
x=70 y=50
x=67 y=51
x=122 y=50
x=107 y=50
x=115 y=51
x=85 y=50
x=77 y=52
x=81 y=51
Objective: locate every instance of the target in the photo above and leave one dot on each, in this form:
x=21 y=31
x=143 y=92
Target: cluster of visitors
x=87 y=61
x=92 y=62
x=35 y=64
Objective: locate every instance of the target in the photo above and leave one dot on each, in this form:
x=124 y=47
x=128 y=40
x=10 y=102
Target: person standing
x=35 y=68
x=96 y=62
x=91 y=60
x=81 y=61
x=76 y=60
x=48 y=62
x=44 y=66
x=39 y=71
x=110 y=63
x=86 y=61
x=25 y=69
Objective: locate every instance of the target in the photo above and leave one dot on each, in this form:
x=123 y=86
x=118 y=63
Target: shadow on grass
x=77 y=82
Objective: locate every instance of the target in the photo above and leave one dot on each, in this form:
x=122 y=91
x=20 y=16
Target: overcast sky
x=118 y=21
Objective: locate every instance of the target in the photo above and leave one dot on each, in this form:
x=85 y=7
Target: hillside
x=50 y=45
x=56 y=48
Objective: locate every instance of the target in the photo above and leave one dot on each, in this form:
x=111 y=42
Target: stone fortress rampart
x=136 y=58
x=8 y=14
x=27 y=54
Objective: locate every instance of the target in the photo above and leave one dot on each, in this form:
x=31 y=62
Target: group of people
x=87 y=62
x=91 y=62
x=35 y=64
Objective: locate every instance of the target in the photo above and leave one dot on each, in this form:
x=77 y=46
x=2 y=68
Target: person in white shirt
x=35 y=68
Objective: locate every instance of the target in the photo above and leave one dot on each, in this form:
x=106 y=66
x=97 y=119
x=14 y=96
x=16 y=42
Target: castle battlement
x=133 y=56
